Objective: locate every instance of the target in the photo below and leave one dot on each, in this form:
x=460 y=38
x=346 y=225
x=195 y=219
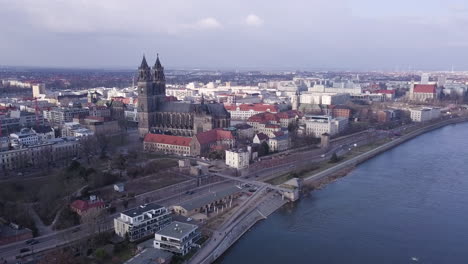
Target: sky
x=236 y=34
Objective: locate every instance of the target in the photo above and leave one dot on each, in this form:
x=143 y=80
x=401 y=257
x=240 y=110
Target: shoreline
x=325 y=177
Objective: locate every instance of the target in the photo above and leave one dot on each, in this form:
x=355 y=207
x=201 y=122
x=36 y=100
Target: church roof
x=425 y=88
x=212 y=109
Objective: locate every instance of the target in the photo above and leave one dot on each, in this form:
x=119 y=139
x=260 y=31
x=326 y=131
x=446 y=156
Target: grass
x=305 y=171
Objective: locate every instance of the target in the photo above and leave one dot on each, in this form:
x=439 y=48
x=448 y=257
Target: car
x=322 y=156
x=30 y=241
x=189 y=219
x=34 y=242
x=23 y=250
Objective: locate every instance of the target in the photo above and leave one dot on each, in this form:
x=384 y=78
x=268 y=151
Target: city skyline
x=343 y=35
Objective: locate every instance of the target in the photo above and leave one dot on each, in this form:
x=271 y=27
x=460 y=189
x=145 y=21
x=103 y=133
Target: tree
x=66 y=219
x=334 y=158
x=264 y=149
x=58 y=256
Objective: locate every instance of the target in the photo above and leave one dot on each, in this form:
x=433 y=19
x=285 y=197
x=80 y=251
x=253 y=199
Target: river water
x=407 y=205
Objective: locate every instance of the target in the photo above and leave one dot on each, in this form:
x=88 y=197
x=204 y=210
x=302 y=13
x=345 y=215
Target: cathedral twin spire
x=145 y=73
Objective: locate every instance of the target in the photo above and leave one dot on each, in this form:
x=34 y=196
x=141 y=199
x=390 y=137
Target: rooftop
x=168 y=139
x=142 y=209
x=177 y=230
x=209 y=198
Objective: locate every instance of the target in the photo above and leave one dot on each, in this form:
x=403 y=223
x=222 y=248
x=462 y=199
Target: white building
x=279 y=143
x=142 y=221
x=38 y=90
x=237 y=159
x=324 y=98
x=318 y=125
x=25 y=137
x=177 y=237
x=424 y=114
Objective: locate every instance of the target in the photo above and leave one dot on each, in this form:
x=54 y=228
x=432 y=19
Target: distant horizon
x=226 y=69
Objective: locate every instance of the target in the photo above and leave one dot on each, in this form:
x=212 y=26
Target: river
x=407 y=205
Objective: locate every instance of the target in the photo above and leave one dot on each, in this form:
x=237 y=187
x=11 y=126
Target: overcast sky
x=236 y=34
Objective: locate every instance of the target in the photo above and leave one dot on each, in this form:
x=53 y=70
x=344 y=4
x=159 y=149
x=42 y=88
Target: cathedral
x=158 y=115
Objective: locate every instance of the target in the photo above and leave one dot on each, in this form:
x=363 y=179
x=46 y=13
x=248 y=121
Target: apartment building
x=142 y=221
x=237 y=158
x=424 y=114
x=177 y=237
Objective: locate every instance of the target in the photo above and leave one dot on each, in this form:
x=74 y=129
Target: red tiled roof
x=167 y=139
x=253 y=107
x=214 y=135
x=263 y=117
x=85 y=205
x=424 y=88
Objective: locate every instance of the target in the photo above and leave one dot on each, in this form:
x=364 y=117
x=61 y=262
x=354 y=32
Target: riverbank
x=404 y=204
x=352 y=162
x=316 y=181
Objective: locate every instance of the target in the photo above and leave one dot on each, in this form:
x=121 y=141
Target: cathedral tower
x=145 y=98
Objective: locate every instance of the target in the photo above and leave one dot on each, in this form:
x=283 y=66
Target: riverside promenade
x=376 y=151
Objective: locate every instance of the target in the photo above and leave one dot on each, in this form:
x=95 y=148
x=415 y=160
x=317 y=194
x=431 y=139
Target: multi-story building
x=424 y=114
x=75 y=129
x=99 y=125
x=279 y=143
x=167 y=144
x=142 y=221
x=44 y=132
x=38 y=89
x=202 y=143
x=318 y=125
x=99 y=111
x=27 y=119
x=177 y=237
x=25 y=137
x=40 y=154
x=59 y=116
x=237 y=158
x=244 y=111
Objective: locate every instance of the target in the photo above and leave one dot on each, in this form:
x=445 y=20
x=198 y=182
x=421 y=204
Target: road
x=65 y=236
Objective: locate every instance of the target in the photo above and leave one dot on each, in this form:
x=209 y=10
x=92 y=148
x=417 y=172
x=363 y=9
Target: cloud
x=253 y=20
x=208 y=23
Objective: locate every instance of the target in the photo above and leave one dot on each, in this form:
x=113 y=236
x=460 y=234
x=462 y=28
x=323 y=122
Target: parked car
x=23 y=250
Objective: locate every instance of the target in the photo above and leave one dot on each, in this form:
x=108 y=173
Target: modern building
x=237 y=158
x=424 y=114
x=142 y=221
x=57 y=117
x=177 y=237
x=244 y=111
x=38 y=90
x=317 y=125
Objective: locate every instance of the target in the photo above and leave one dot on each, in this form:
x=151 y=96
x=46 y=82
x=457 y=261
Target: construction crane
x=36 y=107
